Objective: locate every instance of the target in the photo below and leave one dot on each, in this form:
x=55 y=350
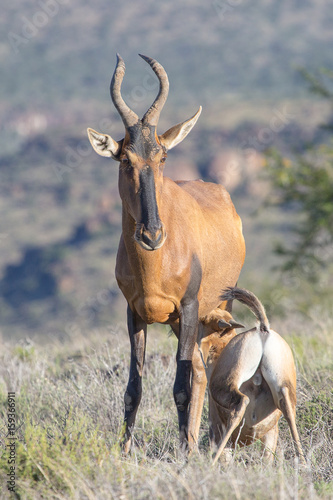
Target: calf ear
x=178 y=132
x=224 y=324
x=235 y=324
x=104 y=145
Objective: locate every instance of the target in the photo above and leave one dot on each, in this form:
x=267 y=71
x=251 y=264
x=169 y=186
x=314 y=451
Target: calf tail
x=251 y=301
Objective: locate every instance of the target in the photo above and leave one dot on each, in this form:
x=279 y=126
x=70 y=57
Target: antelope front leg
x=137 y=330
x=182 y=389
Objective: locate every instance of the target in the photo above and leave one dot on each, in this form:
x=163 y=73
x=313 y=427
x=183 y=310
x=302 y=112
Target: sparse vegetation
x=69 y=403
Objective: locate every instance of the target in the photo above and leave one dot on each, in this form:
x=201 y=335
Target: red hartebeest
x=252 y=380
x=181 y=243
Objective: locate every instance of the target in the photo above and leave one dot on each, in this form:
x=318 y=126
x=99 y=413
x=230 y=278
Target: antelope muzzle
x=150 y=238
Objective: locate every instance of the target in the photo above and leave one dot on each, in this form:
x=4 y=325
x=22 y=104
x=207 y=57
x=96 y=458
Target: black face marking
x=149 y=209
x=143 y=140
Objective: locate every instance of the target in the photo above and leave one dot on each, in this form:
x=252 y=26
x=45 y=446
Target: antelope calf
x=252 y=380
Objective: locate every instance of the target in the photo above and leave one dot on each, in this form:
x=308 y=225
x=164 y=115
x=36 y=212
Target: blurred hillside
x=60 y=209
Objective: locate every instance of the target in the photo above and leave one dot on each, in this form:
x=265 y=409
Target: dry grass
x=69 y=400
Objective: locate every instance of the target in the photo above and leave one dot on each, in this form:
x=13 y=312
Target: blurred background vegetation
x=260 y=134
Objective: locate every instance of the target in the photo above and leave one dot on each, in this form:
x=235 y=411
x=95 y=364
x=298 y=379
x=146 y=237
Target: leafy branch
x=305 y=185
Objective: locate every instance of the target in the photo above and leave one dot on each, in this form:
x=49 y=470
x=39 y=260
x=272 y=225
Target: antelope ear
x=178 y=132
x=104 y=145
x=235 y=324
x=224 y=324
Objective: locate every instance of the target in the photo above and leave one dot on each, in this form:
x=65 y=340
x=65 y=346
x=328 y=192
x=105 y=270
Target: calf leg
x=215 y=425
x=233 y=404
x=288 y=407
x=182 y=390
x=198 y=387
x=269 y=440
x=137 y=330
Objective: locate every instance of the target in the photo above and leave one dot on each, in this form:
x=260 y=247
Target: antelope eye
x=163 y=159
x=124 y=161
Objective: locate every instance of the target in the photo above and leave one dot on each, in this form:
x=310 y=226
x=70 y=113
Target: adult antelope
x=181 y=244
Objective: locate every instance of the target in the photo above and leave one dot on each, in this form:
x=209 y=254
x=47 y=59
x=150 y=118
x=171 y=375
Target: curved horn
x=127 y=115
x=152 y=115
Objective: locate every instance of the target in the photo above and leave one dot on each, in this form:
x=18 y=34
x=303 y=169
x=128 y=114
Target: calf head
x=219 y=328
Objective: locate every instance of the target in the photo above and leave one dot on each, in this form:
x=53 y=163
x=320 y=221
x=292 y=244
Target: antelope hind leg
x=288 y=408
